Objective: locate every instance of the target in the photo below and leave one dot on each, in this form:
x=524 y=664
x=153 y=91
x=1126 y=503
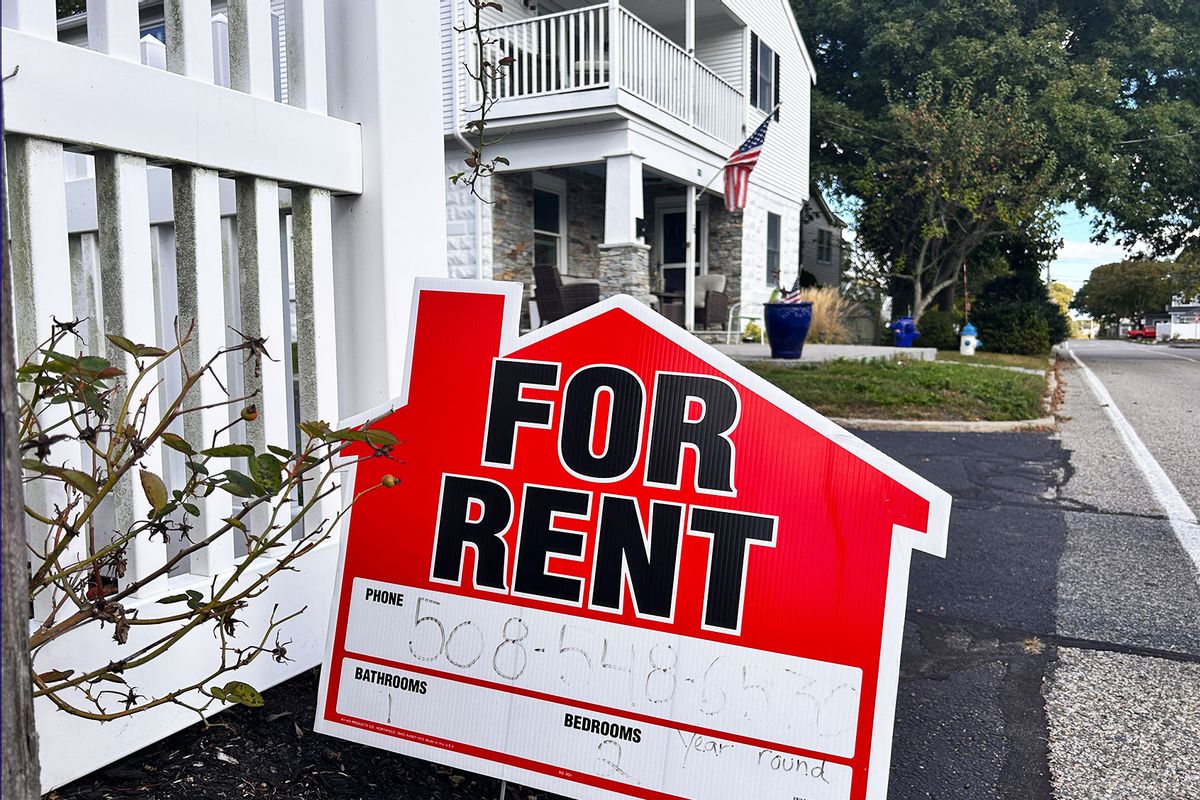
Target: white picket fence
x=142 y=189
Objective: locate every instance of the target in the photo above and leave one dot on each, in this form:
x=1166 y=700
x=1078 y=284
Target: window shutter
x=753 y=69
x=777 y=98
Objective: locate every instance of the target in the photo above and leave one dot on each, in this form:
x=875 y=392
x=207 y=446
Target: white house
x=613 y=116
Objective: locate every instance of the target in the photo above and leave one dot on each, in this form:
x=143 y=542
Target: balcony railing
x=573 y=51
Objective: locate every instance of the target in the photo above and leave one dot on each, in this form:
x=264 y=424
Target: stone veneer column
x=625 y=269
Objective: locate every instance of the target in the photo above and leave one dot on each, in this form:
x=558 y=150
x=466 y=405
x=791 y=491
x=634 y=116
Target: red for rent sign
x=618 y=564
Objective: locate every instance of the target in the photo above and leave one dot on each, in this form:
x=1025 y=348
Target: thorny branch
x=485 y=75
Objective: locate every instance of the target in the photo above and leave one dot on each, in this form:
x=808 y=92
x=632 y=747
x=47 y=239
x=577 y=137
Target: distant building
x=822 y=232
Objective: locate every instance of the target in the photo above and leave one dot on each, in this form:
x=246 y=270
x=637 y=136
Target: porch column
x=624 y=257
x=689 y=281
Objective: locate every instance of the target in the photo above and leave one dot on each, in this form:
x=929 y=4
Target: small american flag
x=740 y=165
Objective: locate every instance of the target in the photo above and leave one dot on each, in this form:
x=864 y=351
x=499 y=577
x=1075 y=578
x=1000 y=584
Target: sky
x=1078 y=255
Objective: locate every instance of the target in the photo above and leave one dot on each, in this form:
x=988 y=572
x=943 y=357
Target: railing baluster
x=573 y=76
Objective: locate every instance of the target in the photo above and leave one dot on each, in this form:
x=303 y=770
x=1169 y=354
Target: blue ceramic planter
x=787 y=326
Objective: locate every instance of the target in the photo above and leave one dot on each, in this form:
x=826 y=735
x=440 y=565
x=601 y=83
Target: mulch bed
x=273 y=752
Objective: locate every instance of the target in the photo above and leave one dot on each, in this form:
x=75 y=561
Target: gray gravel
x=1126 y=581
x=1123 y=727
x=1157 y=388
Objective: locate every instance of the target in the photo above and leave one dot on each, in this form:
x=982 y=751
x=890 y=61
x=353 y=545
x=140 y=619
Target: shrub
x=1014 y=314
x=1014 y=326
x=829 y=312
x=937 y=330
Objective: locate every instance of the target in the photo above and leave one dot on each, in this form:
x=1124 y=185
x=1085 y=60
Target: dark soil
x=273 y=752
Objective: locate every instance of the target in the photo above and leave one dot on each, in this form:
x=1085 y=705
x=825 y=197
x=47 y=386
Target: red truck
x=1149 y=331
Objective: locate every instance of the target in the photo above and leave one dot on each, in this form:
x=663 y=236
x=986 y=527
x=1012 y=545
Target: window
x=773 y=225
x=824 y=246
x=549 y=222
x=764 y=76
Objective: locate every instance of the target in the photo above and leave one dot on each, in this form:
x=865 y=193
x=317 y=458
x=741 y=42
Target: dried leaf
x=155 y=490
x=243 y=693
x=176 y=442
x=55 y=675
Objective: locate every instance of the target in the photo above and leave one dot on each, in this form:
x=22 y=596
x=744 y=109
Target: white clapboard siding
x=779 y=170
x=719 y=47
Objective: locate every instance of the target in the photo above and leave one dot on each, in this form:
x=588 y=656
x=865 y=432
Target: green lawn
x=997 y=359
x=926 y=390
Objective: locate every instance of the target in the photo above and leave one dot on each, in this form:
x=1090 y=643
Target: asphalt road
x=1055 y=652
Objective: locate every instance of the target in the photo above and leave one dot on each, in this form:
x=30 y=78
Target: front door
x=671 y=243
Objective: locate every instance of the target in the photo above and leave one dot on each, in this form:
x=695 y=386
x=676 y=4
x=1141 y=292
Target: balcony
x=605 y=47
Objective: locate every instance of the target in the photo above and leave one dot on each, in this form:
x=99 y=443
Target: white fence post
x=384 y=73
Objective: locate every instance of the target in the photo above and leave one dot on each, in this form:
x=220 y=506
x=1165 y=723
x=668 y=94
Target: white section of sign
x=719 y=688
x=657 y=758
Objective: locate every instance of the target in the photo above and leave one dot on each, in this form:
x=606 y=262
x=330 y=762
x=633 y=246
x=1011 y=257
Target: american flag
x=740 y=165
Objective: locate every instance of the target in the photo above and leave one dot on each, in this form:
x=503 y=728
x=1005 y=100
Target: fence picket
x=316 y=329
x=112 y=28
x=35 y=17
x=305 y=33
x=251 y=62
x=201 y=296
x=189 y=38
x=41 y=275
x=262 y=286
x=127 y=290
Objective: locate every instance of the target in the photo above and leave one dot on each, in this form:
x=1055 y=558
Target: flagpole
x=693 y=200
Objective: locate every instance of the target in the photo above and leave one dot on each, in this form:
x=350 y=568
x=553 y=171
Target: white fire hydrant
x=968 y=340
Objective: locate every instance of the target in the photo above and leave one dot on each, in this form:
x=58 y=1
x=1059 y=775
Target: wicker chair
x=712 y=305
x=556 y=298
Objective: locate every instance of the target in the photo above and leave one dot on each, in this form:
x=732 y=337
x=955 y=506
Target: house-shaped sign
x=619 y=564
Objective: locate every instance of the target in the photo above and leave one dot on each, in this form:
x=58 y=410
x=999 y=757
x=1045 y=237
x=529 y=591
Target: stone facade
x=511 y=218
x=585 y=221
x=625 y=269
x=725 y=246
x=512 y=232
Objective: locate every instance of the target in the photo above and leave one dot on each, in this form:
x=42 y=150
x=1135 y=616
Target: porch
x=680 y=61
x=626 y=230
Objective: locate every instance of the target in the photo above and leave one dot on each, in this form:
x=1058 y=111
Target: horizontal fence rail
x=145 y=197
x=576 y=50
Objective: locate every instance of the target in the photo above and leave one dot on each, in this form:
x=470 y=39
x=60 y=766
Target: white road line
x=1183 y=520
x=1185 y=358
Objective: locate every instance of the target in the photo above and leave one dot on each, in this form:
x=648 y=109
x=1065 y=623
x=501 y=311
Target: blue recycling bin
x=904 y=332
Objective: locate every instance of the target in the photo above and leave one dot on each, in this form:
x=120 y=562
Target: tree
x=1112 y=90
x=1062 y=295
x=1125 y=290
x=962 y=167
x=1185 y=277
